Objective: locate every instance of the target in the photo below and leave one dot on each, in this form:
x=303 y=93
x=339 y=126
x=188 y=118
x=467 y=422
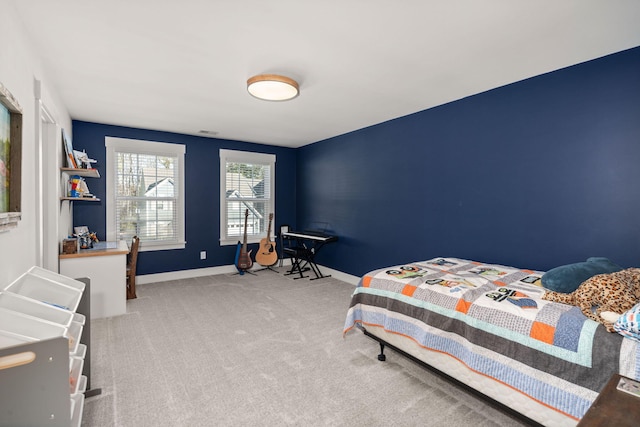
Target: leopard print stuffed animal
x=617 y=292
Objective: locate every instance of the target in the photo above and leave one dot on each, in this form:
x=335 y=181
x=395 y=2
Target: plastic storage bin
x=77 y=405
x=35 y=308
x=82 y=384
x=75 y=372
x=45 y=290
x=30 y=327
x=8 y=339
x=55 y=277
x=81 y=352
x=74 y=333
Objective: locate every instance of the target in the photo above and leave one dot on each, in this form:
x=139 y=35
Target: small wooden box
x=70 y=246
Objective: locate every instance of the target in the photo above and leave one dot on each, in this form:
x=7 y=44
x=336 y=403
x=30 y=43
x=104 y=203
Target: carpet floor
x=263 y=350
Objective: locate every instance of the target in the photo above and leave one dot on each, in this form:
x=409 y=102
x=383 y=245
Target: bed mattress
x=488 y=326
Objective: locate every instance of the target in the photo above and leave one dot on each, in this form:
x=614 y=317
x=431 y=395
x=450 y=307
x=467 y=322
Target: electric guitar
x=235 y=260
x=267 y=255
x=244 y=258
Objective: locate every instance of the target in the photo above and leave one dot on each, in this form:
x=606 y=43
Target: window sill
x=161 y=247
x=229 y=242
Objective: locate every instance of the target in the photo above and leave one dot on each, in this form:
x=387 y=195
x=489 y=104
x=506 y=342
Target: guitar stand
x=244 y=271
x=268 y=267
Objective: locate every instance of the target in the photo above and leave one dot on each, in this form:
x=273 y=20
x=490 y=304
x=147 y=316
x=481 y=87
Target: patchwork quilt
x=493 y=319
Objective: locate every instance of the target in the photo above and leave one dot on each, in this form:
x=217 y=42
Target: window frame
x=237 y=156
x=139 y=146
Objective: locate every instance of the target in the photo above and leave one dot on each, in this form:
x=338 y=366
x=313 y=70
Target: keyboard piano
x=310 y=235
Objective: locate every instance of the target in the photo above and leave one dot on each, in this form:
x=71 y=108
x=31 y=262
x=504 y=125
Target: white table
x=107 y=269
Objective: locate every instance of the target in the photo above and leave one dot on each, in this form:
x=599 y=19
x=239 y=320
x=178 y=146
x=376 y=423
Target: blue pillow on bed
x=567 y=278
x=628 y=324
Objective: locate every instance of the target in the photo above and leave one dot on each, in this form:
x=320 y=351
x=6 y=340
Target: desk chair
x=132 y=260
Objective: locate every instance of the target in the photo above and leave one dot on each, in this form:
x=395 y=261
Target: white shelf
x=81 y=199
x=87 y=173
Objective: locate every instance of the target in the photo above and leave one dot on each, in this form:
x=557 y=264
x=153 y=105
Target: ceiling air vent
x=207 y=132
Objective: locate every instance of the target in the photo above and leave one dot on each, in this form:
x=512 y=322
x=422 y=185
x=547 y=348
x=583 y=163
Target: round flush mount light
x=273 y=87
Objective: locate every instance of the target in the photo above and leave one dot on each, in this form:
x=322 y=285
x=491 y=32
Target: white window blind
x=147 y=192
x=247 y=182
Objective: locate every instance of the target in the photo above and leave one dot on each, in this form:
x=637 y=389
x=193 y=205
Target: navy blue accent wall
x=202 y=186
x=535 y=174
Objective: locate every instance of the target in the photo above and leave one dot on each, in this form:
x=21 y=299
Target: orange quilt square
x=463 y=306
x=366 y=281
x=408 y=290
x=542 y=332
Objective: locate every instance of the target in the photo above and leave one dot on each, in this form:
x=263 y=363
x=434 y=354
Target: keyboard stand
x=303 y=256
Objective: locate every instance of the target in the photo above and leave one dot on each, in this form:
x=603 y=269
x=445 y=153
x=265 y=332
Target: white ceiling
x=182 y=66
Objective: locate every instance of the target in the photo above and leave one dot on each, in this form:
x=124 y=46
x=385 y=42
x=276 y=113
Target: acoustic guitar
x=244 y=258
x=267 y=255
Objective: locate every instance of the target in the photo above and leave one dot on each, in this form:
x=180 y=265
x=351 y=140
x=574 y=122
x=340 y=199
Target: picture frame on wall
x=10 y=160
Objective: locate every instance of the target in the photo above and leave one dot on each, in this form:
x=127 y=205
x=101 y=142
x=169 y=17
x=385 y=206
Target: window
x=145 y=193
x=246 y=185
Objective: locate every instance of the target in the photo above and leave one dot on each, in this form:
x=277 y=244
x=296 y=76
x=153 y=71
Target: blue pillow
x=629 y=323
x=567 y=278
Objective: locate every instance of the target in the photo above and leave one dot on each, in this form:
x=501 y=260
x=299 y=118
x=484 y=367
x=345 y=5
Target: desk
x=308 y=243
x=613 y=407
x=106 y=266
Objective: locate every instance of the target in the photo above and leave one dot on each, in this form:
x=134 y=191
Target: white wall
x=20 y=66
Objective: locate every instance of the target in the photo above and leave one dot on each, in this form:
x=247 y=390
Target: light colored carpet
x=264 y=350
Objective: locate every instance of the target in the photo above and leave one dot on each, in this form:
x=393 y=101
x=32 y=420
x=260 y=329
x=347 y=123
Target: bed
x=488 y=327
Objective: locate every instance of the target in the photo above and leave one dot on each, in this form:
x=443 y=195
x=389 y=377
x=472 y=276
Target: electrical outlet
x=203 y=254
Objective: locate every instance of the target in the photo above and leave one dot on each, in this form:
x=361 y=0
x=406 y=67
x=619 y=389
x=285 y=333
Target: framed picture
x=68 y=150
x=10 y=160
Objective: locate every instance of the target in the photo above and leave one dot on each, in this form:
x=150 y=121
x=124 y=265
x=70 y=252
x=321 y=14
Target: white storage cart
x=41 y=357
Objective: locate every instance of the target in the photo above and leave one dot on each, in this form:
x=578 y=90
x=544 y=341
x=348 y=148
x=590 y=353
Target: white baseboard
x=353 y=280
x=225 y=269
x=184 y=274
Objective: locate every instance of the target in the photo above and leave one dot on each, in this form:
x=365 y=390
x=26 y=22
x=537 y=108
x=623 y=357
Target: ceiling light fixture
x=272 y=87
